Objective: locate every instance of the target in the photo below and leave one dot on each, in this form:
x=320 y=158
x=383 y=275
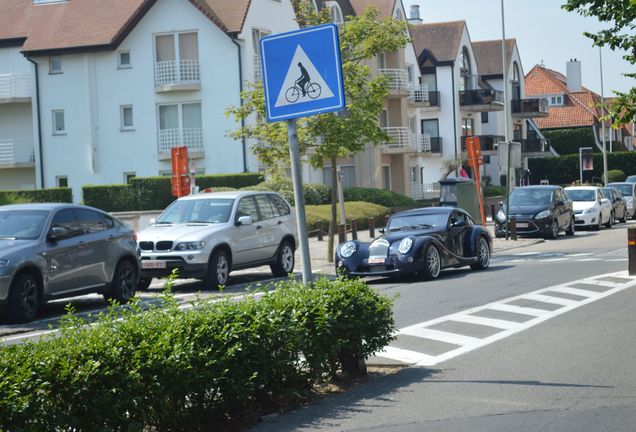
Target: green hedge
x=110 y=197
x=565 y=169
x=381 y=197
x=568 y=141
x=182 y=370
x=63 y=195
x=616 y=176
x=315 y=193
x=360 y=211
x=236 y=181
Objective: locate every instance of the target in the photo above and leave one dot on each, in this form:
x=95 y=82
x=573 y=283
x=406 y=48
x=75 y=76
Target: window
x=265 y=207
x=55 y=65
x=180 y=124
x=555 y=100
x=336 y=12
x=382 y=61
x=413 y=124
x=466 y=71
x=349 y=175
x=281 y=206
x=128 y=176
x=58 y=122
x=386 y=177
x=61 y=181
x=66 y=219
x=126 y=117
x=430 y=127
x=468 y=126
x=384 y=118
x=90 y=221
x=411 y=73
x=516 y=82
x=398 y=14
x=177 y=57
x=257 y=35
x=123 y=60
x=247 y=207
x=484 y=117
x=413 y=174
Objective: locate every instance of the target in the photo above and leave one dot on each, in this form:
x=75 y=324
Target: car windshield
x=608 y=193
x=212 y=210
x=530 y=197
x=417 y=221
x=22 y=224
x=581 y=194
x=631 y=179
x=626 y=189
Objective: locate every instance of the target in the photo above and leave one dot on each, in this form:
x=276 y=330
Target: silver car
x=60 y=250
x=208 y=235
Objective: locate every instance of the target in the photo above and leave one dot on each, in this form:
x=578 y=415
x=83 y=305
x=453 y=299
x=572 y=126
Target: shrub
x=110 y=198
x=314 y=193
x=492 y=190
x=565 y=169
x=182 y=369
x=63 y=195
x=236 y=181
x=152 y=193
x=381 y=197
x=360 y=211
x=616 y=176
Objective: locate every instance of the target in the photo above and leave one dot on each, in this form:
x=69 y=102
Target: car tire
x=624 y=218
x=143 y=284
x=483 y=254
x=284 y=264
x=554 y=230
x=572 y=228
x=432 y=263
x=599 y=224
x=124 y=284
x=610 y=221
x=218 y=270
x=24 y=299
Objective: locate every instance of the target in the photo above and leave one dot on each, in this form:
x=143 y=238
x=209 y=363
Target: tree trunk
x=334 y=209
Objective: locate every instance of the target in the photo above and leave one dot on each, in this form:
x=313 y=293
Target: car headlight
x=347 y=249
x=3 y=264
x=405 y=245
x=542 y=215
x=190 y=245
x=589 y=210
x=501 y=216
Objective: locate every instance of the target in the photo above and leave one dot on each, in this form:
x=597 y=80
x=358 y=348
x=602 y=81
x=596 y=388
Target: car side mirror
x=152 y=221
x=381 y=230
x=604 y=200
x=244 y=220
x=58 y=233
x=459 y=224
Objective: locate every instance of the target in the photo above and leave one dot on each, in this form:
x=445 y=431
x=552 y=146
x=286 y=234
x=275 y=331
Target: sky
x=544 y=32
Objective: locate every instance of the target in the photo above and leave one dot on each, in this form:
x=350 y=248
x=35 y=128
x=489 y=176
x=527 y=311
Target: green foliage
x=568 y=141
x=360 y=211
x=314 y=193
x=183 y=369
x=382 y=197
x=152 y=193
x=492 y=190
x=112 y=198
x=616 y=176
x=9 y=198
x=62 y=195
x=236 y=181
x=565 y=169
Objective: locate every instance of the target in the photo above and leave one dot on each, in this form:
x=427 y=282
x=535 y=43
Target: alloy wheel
x=433 y=261
x=287 y=259
x=222 y=270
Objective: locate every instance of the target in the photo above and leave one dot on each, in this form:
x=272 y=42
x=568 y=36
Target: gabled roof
x=488 y=56
x=231 y=13
x=441 y=40
x=385 y=7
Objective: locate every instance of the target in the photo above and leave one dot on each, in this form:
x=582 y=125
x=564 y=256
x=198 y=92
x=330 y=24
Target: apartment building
x=115 y=85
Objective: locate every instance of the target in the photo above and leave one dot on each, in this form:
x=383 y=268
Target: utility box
x=462 y=193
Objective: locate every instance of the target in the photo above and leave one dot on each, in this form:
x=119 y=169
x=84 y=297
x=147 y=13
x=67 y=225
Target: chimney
x=573 y=72
x=414 y=17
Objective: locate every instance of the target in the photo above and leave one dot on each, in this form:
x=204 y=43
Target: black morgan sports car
x=422 y=241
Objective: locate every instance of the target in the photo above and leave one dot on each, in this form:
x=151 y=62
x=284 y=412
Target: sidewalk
x=320 y=265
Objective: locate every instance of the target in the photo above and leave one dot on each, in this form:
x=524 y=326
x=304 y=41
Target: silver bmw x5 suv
x=208 y=235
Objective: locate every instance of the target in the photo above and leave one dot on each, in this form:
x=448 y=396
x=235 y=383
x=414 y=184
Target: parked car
x=423 y=241
x=629 y=193
x=60 y=250
x=619 y=203
x=208 y=235
x=631 y=179
x=538 y=210
x=591 y=207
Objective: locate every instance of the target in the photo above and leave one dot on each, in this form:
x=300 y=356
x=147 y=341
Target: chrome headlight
x=3 y=264
x=190 y=245
x=542 y=215
x=347 y=249
x=501 y=216
x=589 y=210
x=405 y=245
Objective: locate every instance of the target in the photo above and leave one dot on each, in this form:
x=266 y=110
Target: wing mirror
x=381 y=230
x=604 y=200
x=244 y=220
x=58 y=233
x=152 y=221
x=459 y=224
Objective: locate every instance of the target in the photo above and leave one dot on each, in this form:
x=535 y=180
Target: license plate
x=376 y=260
x=522 y=225
x=153 y=264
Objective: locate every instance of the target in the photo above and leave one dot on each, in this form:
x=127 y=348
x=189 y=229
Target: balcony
x=421 y=191
x=487 y=142
x=177 y=75
x=399 y=85
x=528 y=108
x=428 y=144
x=419 y=95
x=534 y=145
x=191 y=138
x=481 y=100
x=258 y=70
x=16 y=153
x=15 y=88
x=400 y=140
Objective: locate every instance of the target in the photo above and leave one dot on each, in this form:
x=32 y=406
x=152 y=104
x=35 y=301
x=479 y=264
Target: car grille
x=164 y=245
x=146 y=245
x=379 y=248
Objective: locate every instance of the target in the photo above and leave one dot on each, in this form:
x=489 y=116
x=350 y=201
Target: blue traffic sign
x=302 y=73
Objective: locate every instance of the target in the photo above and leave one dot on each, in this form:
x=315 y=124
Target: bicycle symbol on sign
x=304 y=86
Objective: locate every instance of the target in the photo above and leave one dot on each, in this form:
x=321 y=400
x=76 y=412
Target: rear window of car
x=530 y=197
x=626 y=189
x=581 y=195
x=280 y=205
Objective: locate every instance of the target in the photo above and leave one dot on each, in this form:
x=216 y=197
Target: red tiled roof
x=231 y=13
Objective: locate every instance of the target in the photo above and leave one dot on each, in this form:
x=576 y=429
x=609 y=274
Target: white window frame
x=337 y=16
x=52 y=62
x=128 y=175
x=122 y=118
x=177 y=53
x=58 y=179
x=121 y=65
x=179 y=116
x=555 y=100
x=54 y=122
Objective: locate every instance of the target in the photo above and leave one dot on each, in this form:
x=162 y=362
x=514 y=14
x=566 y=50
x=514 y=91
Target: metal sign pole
x=581 y=165
x=301 y=221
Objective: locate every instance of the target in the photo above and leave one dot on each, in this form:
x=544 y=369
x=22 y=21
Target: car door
x=246 y=238
x=64 y=271
x=268 y=236
x=457 y=228
x=562 y=208
x=93 y=253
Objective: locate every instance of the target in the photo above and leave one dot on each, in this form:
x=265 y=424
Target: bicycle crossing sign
x=302 y=73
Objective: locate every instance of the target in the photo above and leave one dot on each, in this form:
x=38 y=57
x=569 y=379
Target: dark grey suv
x=60 y=250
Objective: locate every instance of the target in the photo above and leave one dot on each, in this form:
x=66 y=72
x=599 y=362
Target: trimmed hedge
x=110 y=198
x=63 y=195
x=315 y=193
x=381 y=197
x=360 y=211
x=616 y=176
x=568 y=141
x=183 y=370
x=565 y=169
x=236 y=181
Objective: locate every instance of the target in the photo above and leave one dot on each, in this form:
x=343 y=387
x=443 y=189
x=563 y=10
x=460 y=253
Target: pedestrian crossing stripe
x=293 y=74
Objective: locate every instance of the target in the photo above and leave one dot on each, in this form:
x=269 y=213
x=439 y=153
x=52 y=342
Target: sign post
x=302 y=76
x=475 y=160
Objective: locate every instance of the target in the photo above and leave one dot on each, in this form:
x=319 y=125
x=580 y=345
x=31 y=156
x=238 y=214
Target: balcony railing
x=534 y=145
x=258 y=70
x=419 y=93
x=177 y=72
x=16 y=152
x=424 y=191
x=400 y=139
x=486 y=142
x=192 y=138
x=398 y=79
x=429 y=144
x=481 y=100
x=529 y=107
x=15 y=86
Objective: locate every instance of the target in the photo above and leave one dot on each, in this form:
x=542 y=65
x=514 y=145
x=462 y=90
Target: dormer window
x=336 y=12
x=555 y=100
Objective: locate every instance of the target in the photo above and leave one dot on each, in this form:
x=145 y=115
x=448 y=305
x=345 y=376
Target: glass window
x=61 y=181
x=126 y=112
x=90 y=221
x=200 y=210
x=66 y=219
x=484 y=117
x=247 y=207
x=22 y=224
x=59 y=127
x=123 y=60
x=280 y=205
x=417 y=221
x=265 y=207
x=55 y=65
x=386 y=177
x=430 y=127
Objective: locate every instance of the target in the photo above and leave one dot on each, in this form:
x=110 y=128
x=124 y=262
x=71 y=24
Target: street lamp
x=505 y=93
x=600 y=59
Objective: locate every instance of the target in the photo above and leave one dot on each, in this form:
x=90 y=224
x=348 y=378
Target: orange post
x=180 y=182
x=475 y=159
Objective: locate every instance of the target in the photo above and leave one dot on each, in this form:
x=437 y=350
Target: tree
x=327 y=137
x=621 y=16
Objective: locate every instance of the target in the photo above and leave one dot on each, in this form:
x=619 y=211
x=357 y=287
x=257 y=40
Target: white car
x=628 y=190
x=591 y=206
x=208 y=235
